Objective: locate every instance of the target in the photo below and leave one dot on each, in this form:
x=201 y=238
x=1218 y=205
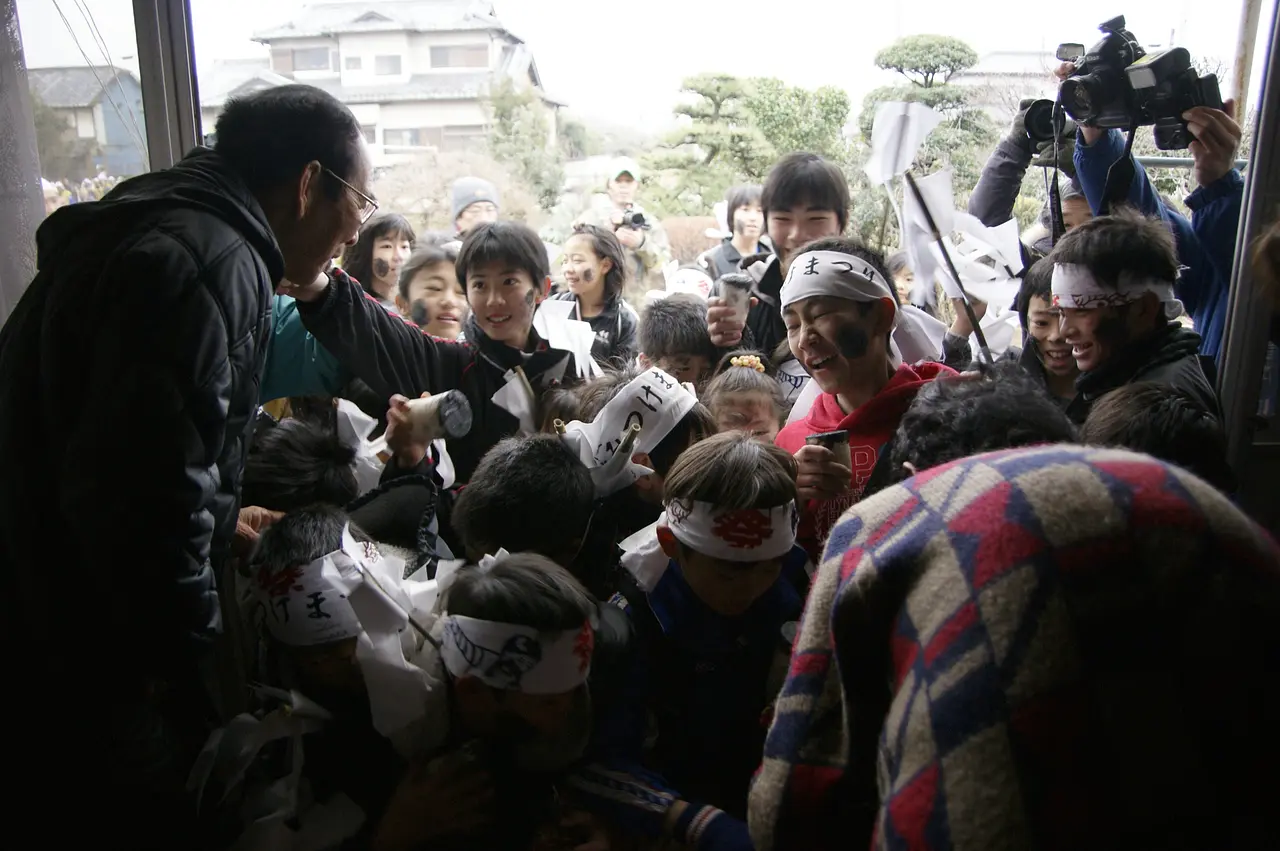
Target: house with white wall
x=102 y=105
x=414 y=72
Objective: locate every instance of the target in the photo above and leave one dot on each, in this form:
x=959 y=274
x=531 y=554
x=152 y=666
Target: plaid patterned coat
x=1058 y=647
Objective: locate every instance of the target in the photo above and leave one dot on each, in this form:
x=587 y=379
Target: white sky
x=623 y=61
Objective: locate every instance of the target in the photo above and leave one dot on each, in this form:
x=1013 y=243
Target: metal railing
x=1177 y=162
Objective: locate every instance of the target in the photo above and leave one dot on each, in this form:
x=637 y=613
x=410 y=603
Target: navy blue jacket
x=1206 y=244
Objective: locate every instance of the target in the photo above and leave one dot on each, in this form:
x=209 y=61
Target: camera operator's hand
x=1217 y=137
x=1018 y=129
x=630 y=237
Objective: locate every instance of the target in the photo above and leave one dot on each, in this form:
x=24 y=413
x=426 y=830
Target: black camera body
x=633 y=218
x=1118 y=84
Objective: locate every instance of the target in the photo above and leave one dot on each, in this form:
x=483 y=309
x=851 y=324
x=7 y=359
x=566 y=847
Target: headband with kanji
x=733 y=534
x=517 y=658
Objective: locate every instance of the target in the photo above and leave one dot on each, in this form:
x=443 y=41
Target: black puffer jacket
x=128 y=386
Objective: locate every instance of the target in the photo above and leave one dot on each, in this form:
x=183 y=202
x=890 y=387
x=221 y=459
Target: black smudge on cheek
x=852 y=341
x=589 y=276
x=530 y=297
x=418 y=313
x=381 y=268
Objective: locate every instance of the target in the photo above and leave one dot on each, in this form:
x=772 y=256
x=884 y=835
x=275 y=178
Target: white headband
x=654 y=401
x=834 y=274
x=307 y=604
x=1074 y=286
x=744 y=534
x=517 y=658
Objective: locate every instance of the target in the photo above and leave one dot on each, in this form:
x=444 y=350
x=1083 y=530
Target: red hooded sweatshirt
x=870 y=427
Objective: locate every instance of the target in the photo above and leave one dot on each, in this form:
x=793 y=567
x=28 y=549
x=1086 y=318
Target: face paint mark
x=852 y=341
x=418 y=313
x=530 y=297
x=381 y=268
x=588 y=276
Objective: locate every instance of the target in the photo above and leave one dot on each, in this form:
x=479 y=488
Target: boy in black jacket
x=503 y=366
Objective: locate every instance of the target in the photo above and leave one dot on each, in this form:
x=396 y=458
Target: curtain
x=21 y=198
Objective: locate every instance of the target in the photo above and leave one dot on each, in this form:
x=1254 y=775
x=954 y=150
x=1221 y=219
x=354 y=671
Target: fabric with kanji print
x=870 y=427
x=1056 y=647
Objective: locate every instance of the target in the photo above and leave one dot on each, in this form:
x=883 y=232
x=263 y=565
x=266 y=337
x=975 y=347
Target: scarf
x=1058 y=647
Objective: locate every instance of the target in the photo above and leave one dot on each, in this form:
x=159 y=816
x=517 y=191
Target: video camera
x=1118 y=84
x=633 y=217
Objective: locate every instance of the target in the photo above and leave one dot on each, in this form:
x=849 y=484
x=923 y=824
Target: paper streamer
x=554 y=322
x=654 y=401
x=354 y=428
x=515 y=397
x=896 y=136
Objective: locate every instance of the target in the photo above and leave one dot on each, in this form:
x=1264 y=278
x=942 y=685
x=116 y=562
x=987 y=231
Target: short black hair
x=511 y=243
x=300 y=537
x=1164 y=422
x=954 y=417
x=698 y=423
x=524 y=589
x=676 y=326
x=898 y=261
x=605 y=245
x=516 y=483
x=268 y=137
x=741 y=196
x=733 y=470
x=1120 y=245
x=806 y=179
x=357 y=262
x=424 y=257
x=296 y=464
x=1037 y=282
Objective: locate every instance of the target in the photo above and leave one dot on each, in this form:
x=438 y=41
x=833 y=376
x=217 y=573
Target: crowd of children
x=596 y=529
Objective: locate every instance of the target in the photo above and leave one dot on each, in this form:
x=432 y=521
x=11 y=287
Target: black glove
x=1066 y=158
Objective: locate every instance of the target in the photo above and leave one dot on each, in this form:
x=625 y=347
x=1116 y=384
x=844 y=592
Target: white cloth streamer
x=554 y=322
x=1075 y=287
x=354 y=428
x=512 y=657
x=736 y=534
x=897 y=133
x=654 y=401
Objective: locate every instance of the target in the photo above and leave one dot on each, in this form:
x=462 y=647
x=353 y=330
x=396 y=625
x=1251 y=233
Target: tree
x=922 y=59
x=576 y=141
x=519 y=135
x=62 y=156
x=718 y=145
x=795 y=119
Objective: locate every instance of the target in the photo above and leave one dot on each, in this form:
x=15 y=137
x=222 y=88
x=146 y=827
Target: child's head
x=839 y=308
x=745 y=216
x=1164 y=422
x=958 y=416
x=595 y=267
x=805 y=198
x=430 y=293
x=518 y=639
x=744 y=396
x=382 y=247
x=557 y=403
x=1113 y=280
x=297 y=464
x=674 y=338
x=902 y=275
x=1042 y=322
x=309 y=621
x=697 y=424
x=506 y=272
x=730 y=518
x=527 y=494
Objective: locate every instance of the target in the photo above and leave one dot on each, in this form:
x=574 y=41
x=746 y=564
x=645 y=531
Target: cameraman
x=646 y=246
x=1001 y=181
x=1206 y=244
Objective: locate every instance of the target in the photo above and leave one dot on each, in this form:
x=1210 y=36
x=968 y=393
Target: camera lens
x=1039 y=121
x=1080 y=97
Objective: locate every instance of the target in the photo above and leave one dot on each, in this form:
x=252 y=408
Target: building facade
x=415 y=73
x=102 y=106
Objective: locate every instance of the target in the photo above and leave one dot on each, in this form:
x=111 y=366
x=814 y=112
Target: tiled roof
x=322 y=19
x=73 y=87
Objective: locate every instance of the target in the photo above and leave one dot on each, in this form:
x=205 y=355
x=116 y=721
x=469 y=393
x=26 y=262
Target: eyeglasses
x=368 y=206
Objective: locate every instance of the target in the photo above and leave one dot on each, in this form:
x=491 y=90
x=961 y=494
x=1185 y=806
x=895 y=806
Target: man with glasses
x=128 y=386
